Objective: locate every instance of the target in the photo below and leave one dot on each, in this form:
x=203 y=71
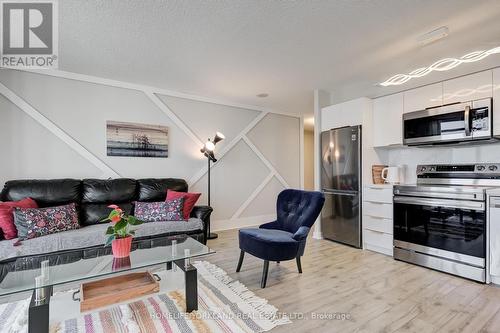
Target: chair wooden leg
x=264 y=274
x=240 y=261
x=299 y=266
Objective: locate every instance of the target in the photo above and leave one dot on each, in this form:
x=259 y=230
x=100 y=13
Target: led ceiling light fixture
x=439 y=66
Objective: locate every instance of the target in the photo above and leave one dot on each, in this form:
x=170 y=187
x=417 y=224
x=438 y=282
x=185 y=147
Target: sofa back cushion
x=46 y=193
x=92 y=196
x=98 y=194
x=155 y=189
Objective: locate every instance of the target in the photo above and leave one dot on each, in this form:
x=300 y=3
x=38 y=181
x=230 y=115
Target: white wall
x=321 y=99
x=309 y=160
x=53 y=126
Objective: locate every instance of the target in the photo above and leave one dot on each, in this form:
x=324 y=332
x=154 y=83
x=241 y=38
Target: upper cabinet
x=423 y=97
x=496 y=102
x=468 y=88
x=349 y=113
x=388 y=120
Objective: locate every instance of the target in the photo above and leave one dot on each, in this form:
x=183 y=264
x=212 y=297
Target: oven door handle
x=477 y=206
x=467 y=120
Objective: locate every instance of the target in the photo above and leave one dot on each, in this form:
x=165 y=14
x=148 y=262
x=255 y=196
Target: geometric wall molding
x=220 y=154
x=272 y=175
x=226 y=119
x=163 y=107
x=252 y=196
x=54 y=129
x=146 y=88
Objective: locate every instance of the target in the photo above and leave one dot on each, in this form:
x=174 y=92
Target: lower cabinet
x=494 y=222
x=377 y=219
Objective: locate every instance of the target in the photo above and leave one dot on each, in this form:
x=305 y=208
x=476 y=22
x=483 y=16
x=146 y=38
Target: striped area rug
x=225 y=305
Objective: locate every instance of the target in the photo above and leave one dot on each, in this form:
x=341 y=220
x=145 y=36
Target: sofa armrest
x=270 y=225
x=203 y=213
x=301 y=234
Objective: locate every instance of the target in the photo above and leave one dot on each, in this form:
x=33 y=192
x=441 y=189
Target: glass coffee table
x=39 y=274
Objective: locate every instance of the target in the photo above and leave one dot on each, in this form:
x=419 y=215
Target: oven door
x=454 y=226
x=449 y=123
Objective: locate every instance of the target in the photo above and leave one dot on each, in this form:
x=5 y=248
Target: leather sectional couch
x=92 y=196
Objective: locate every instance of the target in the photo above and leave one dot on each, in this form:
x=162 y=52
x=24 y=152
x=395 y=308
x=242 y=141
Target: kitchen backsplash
x=410 y=157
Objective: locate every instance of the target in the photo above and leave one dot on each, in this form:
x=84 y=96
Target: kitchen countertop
x=379 y=185
x=385 y=185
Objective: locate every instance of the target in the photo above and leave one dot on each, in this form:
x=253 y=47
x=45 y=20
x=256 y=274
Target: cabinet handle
x=378 y=217
x=379 y=203
x=376 y=231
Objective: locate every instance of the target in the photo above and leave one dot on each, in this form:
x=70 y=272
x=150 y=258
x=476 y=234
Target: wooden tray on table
x=117 y=289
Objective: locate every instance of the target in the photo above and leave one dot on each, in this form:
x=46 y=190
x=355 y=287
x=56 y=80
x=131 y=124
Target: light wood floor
x=377 y=292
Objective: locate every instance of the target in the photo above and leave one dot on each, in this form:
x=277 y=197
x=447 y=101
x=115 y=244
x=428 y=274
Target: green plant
x=120 y=224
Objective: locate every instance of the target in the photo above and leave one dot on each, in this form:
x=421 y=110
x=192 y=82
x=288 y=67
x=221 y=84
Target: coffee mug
x=390 y=175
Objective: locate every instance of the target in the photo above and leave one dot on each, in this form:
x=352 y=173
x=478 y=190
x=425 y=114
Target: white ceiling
x=235 y=49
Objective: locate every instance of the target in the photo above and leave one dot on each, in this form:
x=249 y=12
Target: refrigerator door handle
x=345 y=193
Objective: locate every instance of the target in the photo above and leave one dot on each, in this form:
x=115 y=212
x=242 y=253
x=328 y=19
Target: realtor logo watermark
x=29 y=34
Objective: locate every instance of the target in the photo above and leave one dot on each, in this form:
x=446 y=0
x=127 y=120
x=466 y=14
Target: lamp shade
x=219 y=137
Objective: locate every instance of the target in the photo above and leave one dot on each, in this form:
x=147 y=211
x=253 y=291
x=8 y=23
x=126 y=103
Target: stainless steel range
x=440 y=223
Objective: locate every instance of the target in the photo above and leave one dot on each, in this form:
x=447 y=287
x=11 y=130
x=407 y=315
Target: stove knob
x=493 y=168
x=423 y=168
x=432 y=169
x=481 y=168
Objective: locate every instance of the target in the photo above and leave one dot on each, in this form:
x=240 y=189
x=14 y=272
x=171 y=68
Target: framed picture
x=137 y=140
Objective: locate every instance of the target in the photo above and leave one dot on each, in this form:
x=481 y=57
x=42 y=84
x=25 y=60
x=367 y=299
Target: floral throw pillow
x=160 y=211
x=37 y=222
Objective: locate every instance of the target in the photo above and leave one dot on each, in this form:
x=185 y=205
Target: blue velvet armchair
x=285 y=238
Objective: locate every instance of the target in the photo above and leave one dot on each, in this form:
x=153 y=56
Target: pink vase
x=121 y=247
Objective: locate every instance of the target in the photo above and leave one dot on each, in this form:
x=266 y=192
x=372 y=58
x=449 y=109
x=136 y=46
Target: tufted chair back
x=296 y=208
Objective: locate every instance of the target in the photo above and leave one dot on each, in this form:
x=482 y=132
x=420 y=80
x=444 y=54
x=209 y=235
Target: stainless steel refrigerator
x=341 y=185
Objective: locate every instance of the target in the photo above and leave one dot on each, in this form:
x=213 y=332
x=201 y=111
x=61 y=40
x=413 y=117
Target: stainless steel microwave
x=451 y=123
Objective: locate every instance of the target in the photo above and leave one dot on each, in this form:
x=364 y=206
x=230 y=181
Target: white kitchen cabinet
x=388 y=120
x=349 y=113
x=496 y=102
x=423 y=97
x=494 y=243
x=468 y=88
x=377 y=219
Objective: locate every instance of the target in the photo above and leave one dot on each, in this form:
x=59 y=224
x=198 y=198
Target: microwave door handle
x=467 y=120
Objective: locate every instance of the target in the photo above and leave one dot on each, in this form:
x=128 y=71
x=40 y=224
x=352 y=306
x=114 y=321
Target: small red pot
x=121 y=247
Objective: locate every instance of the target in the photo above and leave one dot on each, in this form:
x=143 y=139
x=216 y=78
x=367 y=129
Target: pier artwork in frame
x=137 y=140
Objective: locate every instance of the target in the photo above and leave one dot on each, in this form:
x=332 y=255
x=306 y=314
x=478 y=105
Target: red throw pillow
x=7 y=215
x=189 y=200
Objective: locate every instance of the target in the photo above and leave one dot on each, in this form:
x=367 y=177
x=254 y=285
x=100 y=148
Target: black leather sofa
x=92 y=197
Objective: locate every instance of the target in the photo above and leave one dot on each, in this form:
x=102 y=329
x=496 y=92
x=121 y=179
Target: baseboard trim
x=495 y=280
x=242 y=222
x=317 y=235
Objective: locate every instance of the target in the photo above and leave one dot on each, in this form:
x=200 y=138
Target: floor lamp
x=208 y=151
